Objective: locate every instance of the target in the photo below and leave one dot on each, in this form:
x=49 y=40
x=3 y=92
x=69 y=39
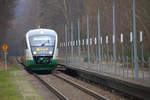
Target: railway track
x=51 y=88
x=66 y=89
x=86 y=90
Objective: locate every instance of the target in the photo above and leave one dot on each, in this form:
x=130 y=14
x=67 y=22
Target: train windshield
x=42 y=41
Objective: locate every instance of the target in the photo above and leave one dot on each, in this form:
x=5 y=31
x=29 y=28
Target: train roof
x=41 y=31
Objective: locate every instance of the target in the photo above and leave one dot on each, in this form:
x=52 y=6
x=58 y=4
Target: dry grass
x=9 y=67
x=15 y=86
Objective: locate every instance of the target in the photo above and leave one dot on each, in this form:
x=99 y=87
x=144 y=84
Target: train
x=41 y=52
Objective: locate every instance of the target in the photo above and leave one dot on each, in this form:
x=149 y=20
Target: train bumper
x=33 y=66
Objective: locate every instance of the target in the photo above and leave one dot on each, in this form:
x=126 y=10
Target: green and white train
x=41 y=52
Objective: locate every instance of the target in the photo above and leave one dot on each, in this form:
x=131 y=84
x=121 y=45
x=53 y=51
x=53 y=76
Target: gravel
x=40 y=88
x=66 y=89
x=108 y=94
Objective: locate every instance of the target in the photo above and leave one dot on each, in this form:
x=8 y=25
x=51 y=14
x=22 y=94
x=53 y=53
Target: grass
x=8 y=89
x=9 y=67
x=13 y=86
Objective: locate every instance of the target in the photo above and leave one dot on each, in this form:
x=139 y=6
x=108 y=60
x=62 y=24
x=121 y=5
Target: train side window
x=26 y=45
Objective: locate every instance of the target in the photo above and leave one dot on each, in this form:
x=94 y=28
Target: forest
x=18 y=16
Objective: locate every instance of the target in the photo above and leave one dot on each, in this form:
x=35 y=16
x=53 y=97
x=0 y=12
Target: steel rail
x=84 y=89
x=51 y=88
x=60 y=95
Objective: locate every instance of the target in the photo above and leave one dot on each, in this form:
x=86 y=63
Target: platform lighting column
x=66 y=38
x=72 y=41
x=99 y=41
x=131 y=40
x=123 y=59
x=134 y=41
x=87 y=20
x=79 y=40
x=114 y=34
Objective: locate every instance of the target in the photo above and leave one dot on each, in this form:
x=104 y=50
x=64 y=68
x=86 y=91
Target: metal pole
x=102 y=56
x=133 y=61
x=5 y=55
x=127 y=65
x=114 y=33
x=61 y=48
x=108 y=68
x=142 y=51
x=72 y=41
x=99 y=41
x=119 y=64
x=79 y=40
x=111 y=63
x=149 y=67
x=88 y=41
x=107 y=51
x=66 y=30
x=135 y=45
x=107 y=44
x=123 y=60
x=132 y=53
x=142 y=59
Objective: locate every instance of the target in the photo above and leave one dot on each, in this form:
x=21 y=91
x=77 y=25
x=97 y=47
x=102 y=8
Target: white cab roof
x=41 y=32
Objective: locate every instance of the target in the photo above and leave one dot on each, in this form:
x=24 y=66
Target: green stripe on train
x=31 y=64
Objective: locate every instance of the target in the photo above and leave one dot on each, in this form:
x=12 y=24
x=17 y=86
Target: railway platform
x=133 y=87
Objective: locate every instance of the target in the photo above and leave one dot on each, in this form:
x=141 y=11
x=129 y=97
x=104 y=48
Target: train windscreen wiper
x=43 y=44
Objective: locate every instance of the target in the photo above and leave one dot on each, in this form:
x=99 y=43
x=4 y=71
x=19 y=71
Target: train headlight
x=50 y=52
x=34 y=52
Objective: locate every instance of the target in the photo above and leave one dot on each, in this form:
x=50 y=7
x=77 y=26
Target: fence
x=106 y=52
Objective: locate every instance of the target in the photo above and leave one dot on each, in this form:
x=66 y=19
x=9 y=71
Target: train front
x=43 y=48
